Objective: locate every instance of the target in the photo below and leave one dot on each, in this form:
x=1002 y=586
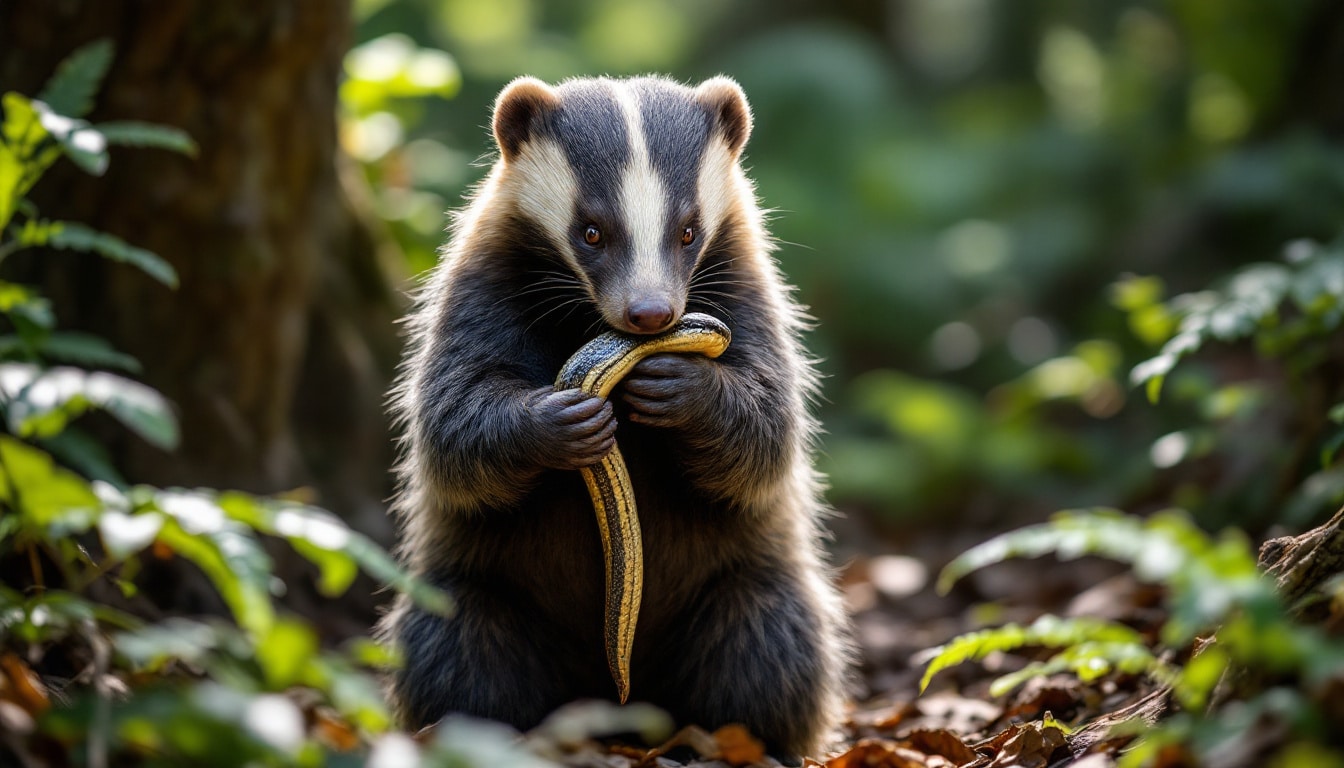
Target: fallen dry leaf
x=1057 y=693
x=1174 y=756
x=878 y=753
x=334 y=731
x=943 y=743
x=20 y=685
x=1029 y=745
x=958 y=714
x=737 y=747
x=731 y=744
x=883 y=721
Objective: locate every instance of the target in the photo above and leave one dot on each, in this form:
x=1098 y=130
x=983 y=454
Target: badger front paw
x=572 y=428
x=670 y=390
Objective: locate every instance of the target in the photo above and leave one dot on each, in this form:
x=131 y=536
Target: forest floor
x=897 y=616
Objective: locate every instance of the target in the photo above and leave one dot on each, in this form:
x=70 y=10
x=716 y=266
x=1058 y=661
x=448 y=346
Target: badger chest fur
x=615 y=204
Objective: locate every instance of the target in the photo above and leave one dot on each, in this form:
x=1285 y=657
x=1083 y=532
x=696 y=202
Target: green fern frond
x=1089 y=661
x=1048 y=631
x=1247 y=306
x=1069 y=534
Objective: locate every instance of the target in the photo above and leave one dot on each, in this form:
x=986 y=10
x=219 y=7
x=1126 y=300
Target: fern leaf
x=75 y=236
x=1049 y=631
x=70 y=91
x=1069 y=534
x=136 y=134
x=1090 y=661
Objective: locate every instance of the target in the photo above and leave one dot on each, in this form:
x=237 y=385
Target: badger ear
x=727 y=105
x=516 y=110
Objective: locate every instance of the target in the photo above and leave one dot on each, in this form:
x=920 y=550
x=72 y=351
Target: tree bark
x=1300 y=565
x=279 y=344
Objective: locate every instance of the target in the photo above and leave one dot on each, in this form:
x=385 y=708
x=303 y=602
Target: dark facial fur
x=739 y=621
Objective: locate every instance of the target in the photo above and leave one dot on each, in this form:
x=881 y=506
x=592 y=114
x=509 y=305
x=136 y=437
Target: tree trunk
x=279 y=344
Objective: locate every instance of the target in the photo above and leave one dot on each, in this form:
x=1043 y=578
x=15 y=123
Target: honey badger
x=615 y=204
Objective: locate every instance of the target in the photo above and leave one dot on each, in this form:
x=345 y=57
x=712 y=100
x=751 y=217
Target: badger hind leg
x=493 y=658
x=759 y=651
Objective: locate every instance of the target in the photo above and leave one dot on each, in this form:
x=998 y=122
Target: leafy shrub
x=258 y=689
x=1224 y=617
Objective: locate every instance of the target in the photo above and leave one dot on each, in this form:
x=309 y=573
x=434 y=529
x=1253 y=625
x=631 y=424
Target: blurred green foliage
x=957 y=185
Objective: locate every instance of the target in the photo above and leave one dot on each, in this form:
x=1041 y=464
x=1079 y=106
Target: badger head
x=630 y=180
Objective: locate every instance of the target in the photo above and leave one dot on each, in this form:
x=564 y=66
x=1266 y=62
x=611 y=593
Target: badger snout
x=649 y=314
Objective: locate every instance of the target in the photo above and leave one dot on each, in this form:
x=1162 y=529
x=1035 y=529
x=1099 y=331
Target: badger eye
x=687 y=236
x=592 y=235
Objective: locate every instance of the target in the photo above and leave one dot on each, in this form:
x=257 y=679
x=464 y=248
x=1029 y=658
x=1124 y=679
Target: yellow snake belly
x=597 y=368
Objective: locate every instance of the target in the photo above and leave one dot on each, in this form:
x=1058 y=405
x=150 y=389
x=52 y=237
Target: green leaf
x=1074 y=533
x=331 y=545
x=1200 y=676
x=1331 y=447
x=1207 y=579
x=75 y=236
x=1151 y=373
x=70 y=91
x=285 y=651
x=354 y=694
x=79 y=451
x=77 y=139
x=1134 y=292
x=46 y=496
x=27 y=309
x=1336 y=413
x=22 y=160
x=234 y=561
x=136 y=134
x=34 y=232
x=42 y=402
x=125 y=534
x=55 y=614
x=22 y=128
x=87 y=350
x=149 y=647
x=1090 y=660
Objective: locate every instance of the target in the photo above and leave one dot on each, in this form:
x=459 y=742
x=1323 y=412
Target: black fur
x=732 y=627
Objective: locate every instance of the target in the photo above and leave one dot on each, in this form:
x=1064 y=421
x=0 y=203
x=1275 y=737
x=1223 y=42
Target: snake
x=596 y=368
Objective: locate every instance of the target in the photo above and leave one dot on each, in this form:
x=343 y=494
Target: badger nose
x=648 y=315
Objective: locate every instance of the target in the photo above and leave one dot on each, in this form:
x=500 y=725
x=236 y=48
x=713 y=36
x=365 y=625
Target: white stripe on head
x=643 y=200
x=716 y=186
x=545 y=189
